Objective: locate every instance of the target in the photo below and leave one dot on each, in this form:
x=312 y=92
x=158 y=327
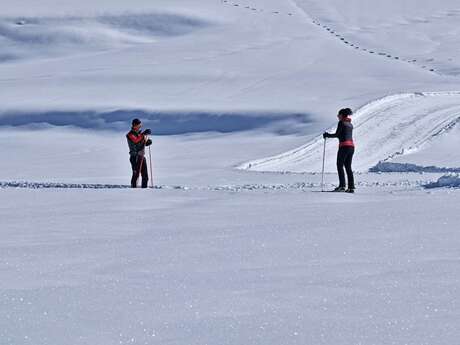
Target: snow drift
x=391 y=167
x=386 y=128
x=24 y=37
x=450 y=180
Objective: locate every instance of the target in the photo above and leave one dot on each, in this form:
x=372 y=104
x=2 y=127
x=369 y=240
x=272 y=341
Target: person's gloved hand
x=325 y=135
x=148 y=142
x=147 y=131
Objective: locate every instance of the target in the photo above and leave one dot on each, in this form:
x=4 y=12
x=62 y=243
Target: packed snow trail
x=385 y=128
x=248 y=187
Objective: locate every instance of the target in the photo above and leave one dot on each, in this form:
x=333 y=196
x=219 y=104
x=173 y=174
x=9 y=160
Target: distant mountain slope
x=422 y=31
x=175 y=56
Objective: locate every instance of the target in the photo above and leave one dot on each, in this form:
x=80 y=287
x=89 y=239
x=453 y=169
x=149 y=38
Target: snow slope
x=421 y=32
x=35 y=37
x=108 y=56
x=392 y=126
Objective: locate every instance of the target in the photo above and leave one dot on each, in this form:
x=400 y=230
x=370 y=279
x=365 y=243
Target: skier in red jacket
x=137 y=141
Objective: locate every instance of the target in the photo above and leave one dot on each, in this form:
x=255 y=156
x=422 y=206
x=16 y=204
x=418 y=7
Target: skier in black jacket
x=344 y=133
x=137 y=141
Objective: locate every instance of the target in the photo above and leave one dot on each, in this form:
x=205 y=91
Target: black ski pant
x=139 y=166
x=344 y=159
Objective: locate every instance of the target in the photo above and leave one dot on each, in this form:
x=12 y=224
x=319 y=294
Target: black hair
x=345 y=112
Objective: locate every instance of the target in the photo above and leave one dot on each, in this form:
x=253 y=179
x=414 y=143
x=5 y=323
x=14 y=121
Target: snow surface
x=91 y=267
x=266 y=62
x=449 y=180
x=423 y=33
x=214 y=254
x=408 y=167
x=404 y=123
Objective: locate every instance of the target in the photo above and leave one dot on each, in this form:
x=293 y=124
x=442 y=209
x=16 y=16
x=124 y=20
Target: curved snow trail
x=385 y=128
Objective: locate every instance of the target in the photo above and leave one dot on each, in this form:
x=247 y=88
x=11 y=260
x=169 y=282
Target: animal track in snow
x=343 y=39
x=382 y=54
x=251 y=8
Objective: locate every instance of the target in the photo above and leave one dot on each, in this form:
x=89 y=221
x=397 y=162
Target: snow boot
x=339 y=190
x=350 y=190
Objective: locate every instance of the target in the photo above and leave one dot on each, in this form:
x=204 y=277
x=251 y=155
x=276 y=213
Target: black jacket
x=344 y=133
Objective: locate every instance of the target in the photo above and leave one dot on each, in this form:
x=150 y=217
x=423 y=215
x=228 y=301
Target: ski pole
x=150 y=163
x=322 y=171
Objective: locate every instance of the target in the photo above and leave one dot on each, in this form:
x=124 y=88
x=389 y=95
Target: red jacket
x=136 y=142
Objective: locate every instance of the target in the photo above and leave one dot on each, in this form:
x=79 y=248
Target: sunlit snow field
x=235 y=244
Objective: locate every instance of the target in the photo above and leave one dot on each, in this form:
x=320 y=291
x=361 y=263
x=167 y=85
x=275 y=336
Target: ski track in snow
x=384 y=129
x=338 y=36
x=298 y=186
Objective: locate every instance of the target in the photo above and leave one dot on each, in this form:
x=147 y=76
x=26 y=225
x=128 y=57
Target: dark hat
x=136 y=122
x=345 y=112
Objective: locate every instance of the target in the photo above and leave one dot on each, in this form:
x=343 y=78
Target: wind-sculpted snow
x=407 y=167
x=447 y=181
x=388 y=127
x=154 y=24
x=43 y=36
x=164 y=123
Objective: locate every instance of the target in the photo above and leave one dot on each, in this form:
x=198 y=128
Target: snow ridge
x=447 y=181
x=407 y=167
x=385 y=128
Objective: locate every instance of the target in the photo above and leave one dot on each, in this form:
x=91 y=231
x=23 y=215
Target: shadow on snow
x=164 y=123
